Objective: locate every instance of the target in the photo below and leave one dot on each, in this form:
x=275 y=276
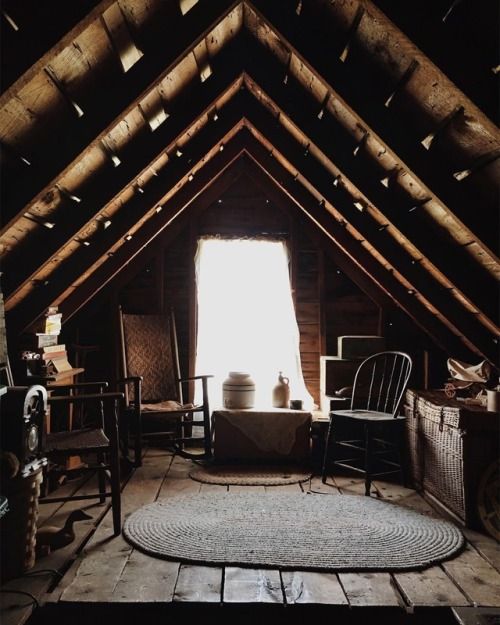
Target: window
x=246 y=318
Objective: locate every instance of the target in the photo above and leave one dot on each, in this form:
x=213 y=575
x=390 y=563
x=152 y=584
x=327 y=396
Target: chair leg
x=124 y=436
x=207 y=432
x=114 y=467
x=101 y=477
x=44 y=488
x=116 y=496
x=138 y=443
x=402 y=458
x=368 y=459
x=329 y=442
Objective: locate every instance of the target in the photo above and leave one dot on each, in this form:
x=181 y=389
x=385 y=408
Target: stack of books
x=55 y=358
x=43 y=353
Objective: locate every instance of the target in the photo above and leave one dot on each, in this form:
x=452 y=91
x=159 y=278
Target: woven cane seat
x=78 y=440
x=367 y=415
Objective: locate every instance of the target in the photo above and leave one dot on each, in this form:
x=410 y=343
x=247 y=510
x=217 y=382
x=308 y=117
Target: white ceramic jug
x=281 y=392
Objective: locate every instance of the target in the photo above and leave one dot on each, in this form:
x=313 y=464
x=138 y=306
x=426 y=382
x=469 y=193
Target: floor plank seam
x=344 y=590
x=223 y=584
x=403 y=600
x=472 y=544
x=119 y=576
x=283 y=591
x=460 y=588
x=168 y=476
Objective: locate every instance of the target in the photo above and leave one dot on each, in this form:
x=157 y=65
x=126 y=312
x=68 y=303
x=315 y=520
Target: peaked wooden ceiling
x=126 y=114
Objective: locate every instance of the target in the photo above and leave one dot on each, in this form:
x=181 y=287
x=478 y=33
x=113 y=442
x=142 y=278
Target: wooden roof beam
x=359 y=255
x=278 y=197
x=45 y=248
x=118 y=270
x=327 y=135
x=210 y=184
x=354 y=250
x=390 y=143
x=179 y=174
x=413 y=277
x=121 y=98
x=287 y=146
x=32 y=46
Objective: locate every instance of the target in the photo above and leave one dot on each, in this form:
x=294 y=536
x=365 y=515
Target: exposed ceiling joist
x=213 y=181
x=88 y=131
x=383 y=156
x=148 y=153
x=318 y=132
x=139 y=211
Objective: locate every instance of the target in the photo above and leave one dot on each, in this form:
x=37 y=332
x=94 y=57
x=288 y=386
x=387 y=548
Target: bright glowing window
x=246 y=317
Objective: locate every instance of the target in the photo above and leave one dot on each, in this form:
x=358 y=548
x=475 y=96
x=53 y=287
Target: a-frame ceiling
x=140 y=110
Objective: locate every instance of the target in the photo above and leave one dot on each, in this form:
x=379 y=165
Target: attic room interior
x=249 y=357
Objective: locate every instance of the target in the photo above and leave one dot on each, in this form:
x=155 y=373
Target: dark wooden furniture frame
x=178 y=422
x=100 y=440
x=368 y=438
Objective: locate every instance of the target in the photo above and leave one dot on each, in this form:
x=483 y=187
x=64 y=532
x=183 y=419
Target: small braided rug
x=297 y=531
x=250 y=475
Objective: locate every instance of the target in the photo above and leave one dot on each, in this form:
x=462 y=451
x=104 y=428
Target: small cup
x=296 y=404
x=493 y=401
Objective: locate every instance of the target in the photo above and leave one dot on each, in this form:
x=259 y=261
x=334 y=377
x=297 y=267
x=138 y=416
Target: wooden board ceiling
x=123 y=115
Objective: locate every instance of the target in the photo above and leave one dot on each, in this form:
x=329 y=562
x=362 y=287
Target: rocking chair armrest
x=102 y=384
x=71 y=399
x=195 y=377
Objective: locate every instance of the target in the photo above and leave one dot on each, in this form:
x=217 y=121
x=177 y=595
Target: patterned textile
x=148 y=350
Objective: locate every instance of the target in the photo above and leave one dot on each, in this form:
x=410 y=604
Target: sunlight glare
x=246 y=318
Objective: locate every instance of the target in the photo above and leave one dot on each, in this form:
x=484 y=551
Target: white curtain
x=246 y=318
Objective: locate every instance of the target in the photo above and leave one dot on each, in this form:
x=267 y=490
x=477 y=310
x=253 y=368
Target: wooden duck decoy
x=50 y=538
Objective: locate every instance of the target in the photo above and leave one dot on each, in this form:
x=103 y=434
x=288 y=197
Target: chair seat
x=77 y=440
x=167 y=406
x=367 y=415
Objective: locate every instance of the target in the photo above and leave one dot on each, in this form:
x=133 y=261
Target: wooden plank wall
x=347 y=309
x=308 y=290
x=327 y=303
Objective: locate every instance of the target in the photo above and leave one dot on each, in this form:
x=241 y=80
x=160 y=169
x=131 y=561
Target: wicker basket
x=414 y=446
x=450 y=445
x=18 y=525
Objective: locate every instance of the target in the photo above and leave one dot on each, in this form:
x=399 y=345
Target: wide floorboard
x=104 y=578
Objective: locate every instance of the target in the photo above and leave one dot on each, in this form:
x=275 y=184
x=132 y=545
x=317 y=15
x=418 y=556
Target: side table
x=255 y=435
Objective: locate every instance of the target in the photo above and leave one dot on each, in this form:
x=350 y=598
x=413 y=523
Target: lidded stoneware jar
x=281 y=392
x=238 y=390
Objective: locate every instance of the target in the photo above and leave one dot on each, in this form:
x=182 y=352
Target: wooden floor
x=109 y=579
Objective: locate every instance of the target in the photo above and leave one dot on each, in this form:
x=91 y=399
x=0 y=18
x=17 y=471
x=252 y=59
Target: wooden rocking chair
x=153 y=387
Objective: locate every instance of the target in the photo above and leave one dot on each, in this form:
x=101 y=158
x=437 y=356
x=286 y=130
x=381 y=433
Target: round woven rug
x=250 y=475
x=322 y=532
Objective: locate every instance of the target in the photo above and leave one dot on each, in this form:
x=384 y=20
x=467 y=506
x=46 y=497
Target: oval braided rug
x=298 y=531
x=236 y=475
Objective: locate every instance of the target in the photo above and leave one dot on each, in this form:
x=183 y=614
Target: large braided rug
x=297 y=531
x=250 y=475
